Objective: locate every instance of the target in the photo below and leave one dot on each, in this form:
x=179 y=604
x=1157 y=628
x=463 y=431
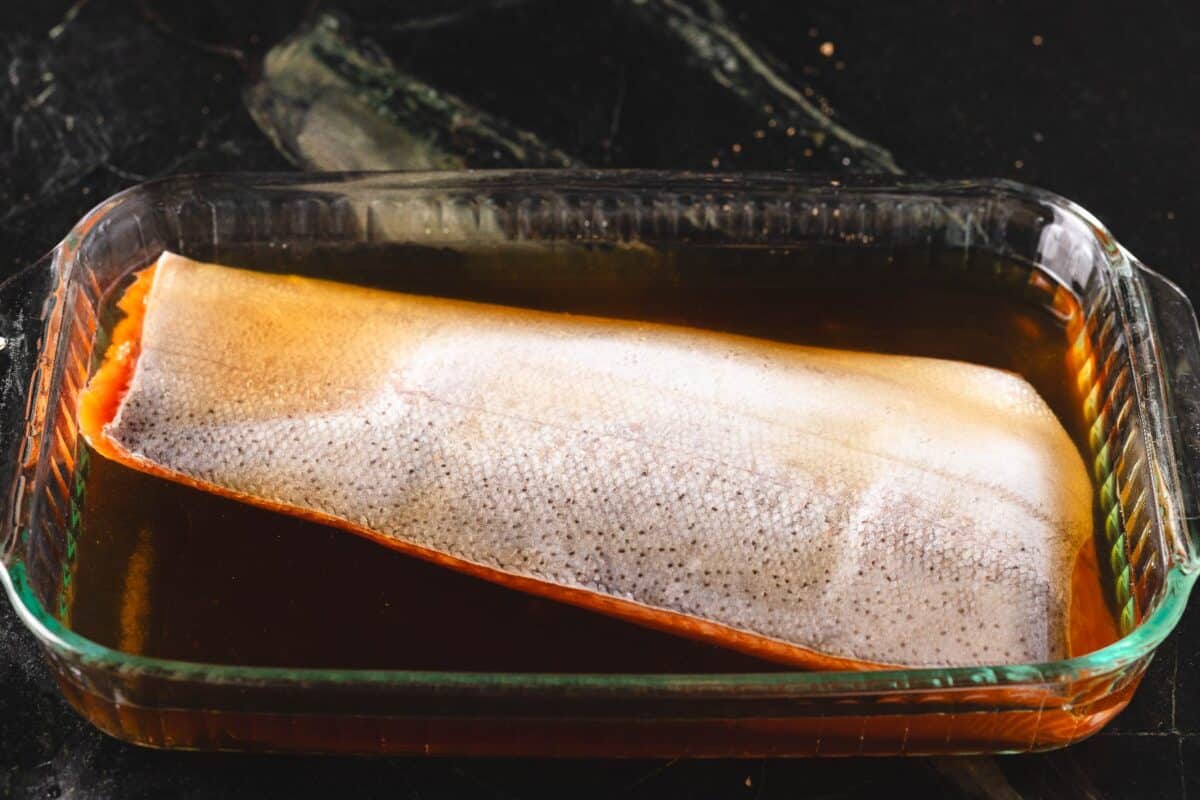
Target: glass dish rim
x=1141 y=641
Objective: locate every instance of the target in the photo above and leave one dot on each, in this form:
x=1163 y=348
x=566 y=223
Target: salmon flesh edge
x=823 y=508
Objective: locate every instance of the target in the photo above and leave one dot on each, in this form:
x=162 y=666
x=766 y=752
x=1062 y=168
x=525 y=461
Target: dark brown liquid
x=169 y=571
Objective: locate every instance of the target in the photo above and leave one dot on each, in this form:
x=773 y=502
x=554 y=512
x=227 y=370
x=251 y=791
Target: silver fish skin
x=807 y=504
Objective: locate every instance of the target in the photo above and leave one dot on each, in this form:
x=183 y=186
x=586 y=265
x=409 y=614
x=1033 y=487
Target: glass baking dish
x=1134 y=355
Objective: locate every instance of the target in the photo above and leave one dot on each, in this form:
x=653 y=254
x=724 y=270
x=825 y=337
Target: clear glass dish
x=1135 y=357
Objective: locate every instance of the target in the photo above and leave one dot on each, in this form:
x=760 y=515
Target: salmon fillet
x=823 y=508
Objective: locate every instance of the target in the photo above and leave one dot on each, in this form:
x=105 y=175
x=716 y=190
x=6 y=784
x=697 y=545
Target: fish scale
x=790 y=501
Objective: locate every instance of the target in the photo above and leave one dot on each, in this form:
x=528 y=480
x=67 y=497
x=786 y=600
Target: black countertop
x=1098 y=106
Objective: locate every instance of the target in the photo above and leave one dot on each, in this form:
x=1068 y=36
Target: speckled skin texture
x=879 y=508
x=953 y=89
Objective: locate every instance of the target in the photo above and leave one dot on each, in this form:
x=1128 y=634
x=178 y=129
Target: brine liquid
x=169 y=571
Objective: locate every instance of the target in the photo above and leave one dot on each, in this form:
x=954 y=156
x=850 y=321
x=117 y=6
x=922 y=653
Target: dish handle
x=25 y=302
x=1178 y=340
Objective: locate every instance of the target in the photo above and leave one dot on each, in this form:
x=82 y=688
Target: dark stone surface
x=1101 y=110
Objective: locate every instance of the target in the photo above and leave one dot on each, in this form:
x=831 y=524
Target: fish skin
x=818 y=507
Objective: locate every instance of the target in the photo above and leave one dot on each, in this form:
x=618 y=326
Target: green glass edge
x=1135 y=645
x=1125 y=651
